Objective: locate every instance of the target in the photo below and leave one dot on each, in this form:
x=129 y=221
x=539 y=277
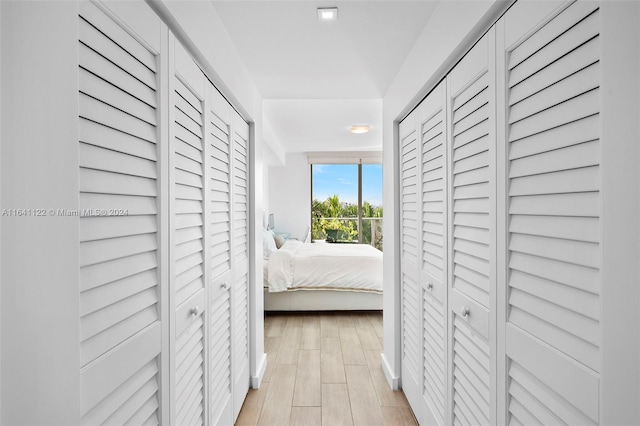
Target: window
x=346 y=203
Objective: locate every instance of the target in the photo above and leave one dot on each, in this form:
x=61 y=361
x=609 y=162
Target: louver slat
x=566 y=42
x=112 y=95
x=568 y=88
x=102 y=67
x=554 y=226
x=574 y=61
x=101 y=112
x=119 y=324
x=91 y=27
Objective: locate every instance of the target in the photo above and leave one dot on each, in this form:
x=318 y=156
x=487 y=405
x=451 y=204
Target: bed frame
x=322 y=300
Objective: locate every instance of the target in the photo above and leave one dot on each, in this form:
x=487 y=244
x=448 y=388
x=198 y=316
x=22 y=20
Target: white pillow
x=268 y=244
x=279 y=239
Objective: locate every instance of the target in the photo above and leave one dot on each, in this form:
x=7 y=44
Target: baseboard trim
x=392 y=378
x=262 y=367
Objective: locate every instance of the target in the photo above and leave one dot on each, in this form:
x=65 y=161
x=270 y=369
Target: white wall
x=290 y=195
x=40 y=276
x=619 y=212
x=450 y=31
x=265 y=192
x=271 y=157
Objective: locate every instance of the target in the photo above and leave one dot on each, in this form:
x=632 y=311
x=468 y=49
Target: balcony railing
x=345 y=230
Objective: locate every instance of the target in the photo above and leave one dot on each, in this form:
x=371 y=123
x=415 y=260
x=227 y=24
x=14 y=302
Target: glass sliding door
x=372 y=205
x=346 y=203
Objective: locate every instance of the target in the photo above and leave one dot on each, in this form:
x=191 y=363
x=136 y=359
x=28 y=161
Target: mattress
x=305 y=266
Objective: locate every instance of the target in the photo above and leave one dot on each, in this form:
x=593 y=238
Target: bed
x=321 y=276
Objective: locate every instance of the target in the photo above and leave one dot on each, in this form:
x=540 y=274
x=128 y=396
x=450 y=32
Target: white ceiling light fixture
x=359 y=128
x=327 y=13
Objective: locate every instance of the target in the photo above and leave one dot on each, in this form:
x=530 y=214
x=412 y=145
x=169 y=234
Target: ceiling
x=323 y=125
x=318 y=78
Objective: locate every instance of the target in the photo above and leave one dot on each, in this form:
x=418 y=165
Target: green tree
x=350 y=210
x=340 y=219
x=334 y=207
x=318 y=212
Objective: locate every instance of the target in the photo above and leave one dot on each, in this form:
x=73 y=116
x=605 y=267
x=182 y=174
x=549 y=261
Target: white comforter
x=325 y=266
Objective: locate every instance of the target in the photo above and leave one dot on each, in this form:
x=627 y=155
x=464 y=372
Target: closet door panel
x=410 y=229
x=433 y=125
x=118 y=131
x=240 y=291
x=472 y=240
x=553 y=241
x=187 y=252
x=219 y=209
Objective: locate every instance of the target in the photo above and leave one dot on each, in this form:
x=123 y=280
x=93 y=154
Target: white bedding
x=297 y=265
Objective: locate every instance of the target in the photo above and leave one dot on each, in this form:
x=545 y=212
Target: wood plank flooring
x=323 y=368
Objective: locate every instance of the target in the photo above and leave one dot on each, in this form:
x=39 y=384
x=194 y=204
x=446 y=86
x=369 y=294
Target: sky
x=342 y=179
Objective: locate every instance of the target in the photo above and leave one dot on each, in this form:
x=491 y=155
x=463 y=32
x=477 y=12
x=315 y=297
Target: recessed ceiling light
x=359 y=128
x=327 y=13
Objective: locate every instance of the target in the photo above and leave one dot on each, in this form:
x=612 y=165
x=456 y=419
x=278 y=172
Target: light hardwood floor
x=324 y=369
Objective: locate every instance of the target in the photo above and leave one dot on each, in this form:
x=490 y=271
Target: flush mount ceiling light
x=327 y=13
x=359 y=128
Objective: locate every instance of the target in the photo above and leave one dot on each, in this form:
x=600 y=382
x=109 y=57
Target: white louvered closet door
x=553 y=241
x=220 y=338
x=410 y=228
x=120 y=339
x=240 y=237
x=472 y=215
x=187 y=241
x=433 y=261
